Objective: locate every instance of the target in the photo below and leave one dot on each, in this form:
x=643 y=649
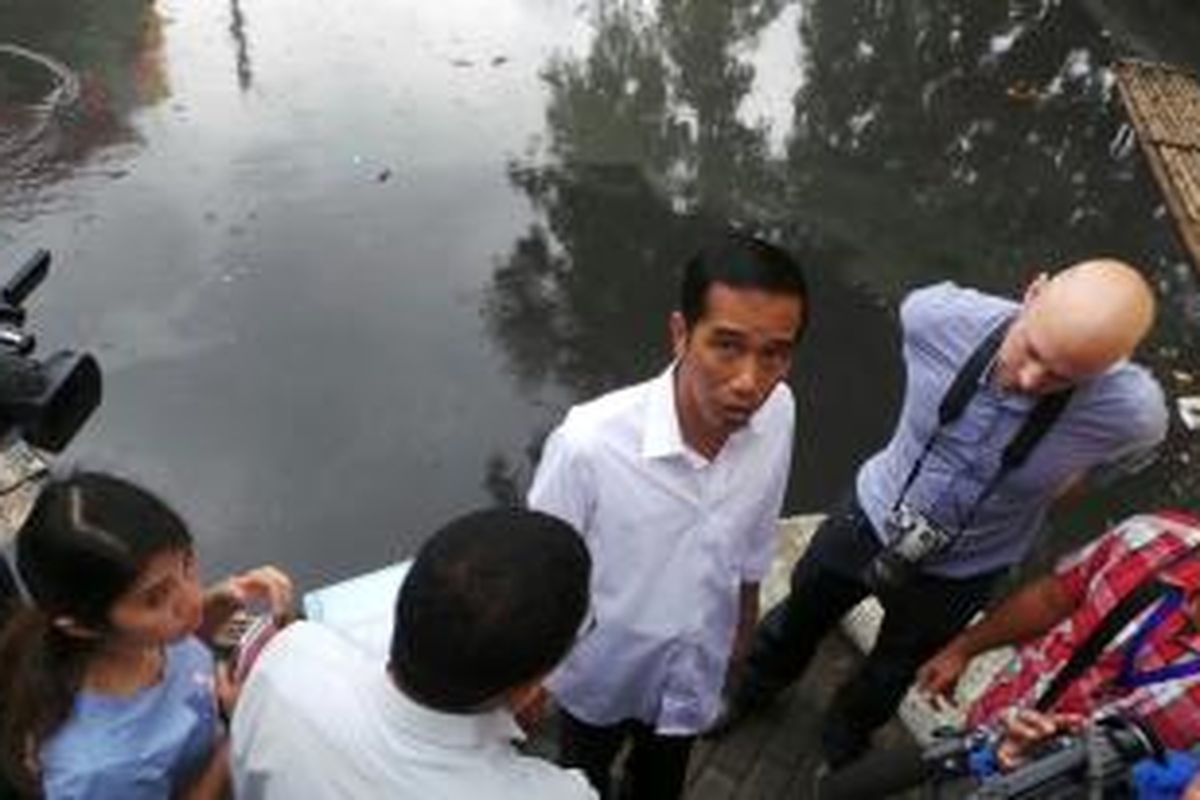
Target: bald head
x=1075 y=325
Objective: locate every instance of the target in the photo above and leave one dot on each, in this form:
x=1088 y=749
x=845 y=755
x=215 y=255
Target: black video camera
x=44 y=402
x=1094 y=763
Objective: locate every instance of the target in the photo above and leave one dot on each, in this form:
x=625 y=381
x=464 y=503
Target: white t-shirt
x=672 y=537
x=318 y=720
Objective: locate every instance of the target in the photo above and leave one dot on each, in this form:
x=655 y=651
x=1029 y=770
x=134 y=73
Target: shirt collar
x=450 y=730
x=661 y=434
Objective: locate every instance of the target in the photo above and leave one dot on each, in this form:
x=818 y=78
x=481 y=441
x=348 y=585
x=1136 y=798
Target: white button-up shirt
x=319 y=720
x=672 y=537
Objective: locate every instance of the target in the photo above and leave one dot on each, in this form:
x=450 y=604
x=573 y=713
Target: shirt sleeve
x=1149 y=422
x=760 y=546
x=562 y=485
x=925 y=309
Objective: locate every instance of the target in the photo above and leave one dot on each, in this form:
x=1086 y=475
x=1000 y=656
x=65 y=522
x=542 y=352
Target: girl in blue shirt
x=106 y=689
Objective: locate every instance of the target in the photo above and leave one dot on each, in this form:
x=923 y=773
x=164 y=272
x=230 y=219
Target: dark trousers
x=656 y=767
x=919 y=618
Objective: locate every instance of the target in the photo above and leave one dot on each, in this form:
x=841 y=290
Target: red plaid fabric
x=1097 y=577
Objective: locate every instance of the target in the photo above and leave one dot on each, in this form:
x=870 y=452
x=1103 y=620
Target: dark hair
x=83 y=545
x=494 y=600
x=745 y=262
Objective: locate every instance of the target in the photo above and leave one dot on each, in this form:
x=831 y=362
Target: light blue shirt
x=141 y=747
x=1114 y=420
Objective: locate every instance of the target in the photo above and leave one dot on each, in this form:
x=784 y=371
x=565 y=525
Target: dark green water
x=345 y=266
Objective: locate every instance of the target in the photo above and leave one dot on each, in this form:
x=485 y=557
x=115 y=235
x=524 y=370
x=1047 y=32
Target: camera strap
x=1114 y=621
x=1127 y=608
x=954 y=404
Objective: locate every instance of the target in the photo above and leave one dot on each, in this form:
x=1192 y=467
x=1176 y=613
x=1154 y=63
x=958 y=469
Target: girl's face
x=164 y=605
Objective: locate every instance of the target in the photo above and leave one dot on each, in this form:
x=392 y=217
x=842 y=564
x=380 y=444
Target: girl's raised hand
x=267 y=584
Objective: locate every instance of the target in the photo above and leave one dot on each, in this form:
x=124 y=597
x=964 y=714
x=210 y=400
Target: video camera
x=1095 y=763
x=43 y=404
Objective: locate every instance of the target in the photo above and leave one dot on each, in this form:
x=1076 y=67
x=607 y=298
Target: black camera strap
x=1127 y=608
x=1086 y=654
x=954 y=403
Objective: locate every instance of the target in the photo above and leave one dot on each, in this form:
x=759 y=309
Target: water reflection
x=930 y=140
x=980 y=142
x=237 y=31
x=66 y=91
x=284 y=284
x=644 y=159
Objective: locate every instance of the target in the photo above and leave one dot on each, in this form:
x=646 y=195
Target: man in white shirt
x=490 y=605
x=676 y=485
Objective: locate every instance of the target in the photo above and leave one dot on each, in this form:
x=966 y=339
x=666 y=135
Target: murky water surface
x=345 y=264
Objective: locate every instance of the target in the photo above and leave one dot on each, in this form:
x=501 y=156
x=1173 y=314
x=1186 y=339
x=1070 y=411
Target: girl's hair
x=86 y=540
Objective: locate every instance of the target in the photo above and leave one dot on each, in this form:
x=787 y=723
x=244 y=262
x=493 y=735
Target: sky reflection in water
x=345 y=270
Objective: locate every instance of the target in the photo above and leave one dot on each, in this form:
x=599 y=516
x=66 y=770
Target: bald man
x=1007 y=407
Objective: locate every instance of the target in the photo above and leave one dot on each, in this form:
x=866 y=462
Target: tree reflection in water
x=931 y=140
x=643 y=160
x=113 y=48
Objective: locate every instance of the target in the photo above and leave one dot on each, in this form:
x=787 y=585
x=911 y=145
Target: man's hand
x=1025 y=729
x=736 y=667
x=939 y=676
x=743 y=636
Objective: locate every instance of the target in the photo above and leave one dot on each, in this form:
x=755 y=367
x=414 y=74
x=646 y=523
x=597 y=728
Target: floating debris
x=1189 y=411
x=30 y=126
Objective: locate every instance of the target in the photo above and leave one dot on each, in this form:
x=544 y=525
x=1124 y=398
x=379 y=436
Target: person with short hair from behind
x=491 y=604
x=676 y=484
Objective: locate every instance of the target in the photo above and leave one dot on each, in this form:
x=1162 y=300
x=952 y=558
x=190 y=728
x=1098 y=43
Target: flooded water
x=345 y=266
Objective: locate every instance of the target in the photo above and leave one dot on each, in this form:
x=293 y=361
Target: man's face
x=1066 y=333
x=733 y=356
x=1027 y=361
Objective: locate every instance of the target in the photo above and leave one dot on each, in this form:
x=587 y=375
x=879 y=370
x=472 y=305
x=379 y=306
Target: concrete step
x=861 y=626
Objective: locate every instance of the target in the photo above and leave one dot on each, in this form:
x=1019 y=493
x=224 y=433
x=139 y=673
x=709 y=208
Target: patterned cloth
x=1096 y=578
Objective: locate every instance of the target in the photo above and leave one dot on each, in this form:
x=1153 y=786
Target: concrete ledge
x=861 y=626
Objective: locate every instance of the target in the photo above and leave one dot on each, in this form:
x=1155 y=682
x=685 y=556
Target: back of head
x=493 y=601
x=82 y=546
x=1093 y=314
x=740 y=261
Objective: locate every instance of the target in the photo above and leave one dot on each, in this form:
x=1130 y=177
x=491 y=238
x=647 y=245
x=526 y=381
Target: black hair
x=742 y=261
x=494 y=600
x=85 y=542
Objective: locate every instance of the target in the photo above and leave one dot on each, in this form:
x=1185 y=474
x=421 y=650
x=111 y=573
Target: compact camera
x=242 y=639
x=911 y=537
